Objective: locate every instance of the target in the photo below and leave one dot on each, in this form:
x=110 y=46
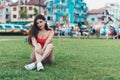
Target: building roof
x=98 y=11
x=17 y=3
x=31 y=2
x=8 y=0
x=36 y=2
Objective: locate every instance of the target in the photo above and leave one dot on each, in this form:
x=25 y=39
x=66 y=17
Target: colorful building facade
x=65 y=11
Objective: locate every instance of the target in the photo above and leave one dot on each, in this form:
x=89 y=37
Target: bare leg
x=48 y=52
x=37 y=58
x=47 y=55
x=32 y=56
x=42 y=57
x=50 y=58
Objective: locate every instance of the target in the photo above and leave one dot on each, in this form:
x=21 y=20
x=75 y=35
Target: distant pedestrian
x=71 y=32
x=78 y=33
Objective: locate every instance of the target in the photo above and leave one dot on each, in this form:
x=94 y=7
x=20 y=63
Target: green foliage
x=53 y=26
x=35 y=12
x=23 y=14
x=65 y=19
x=75 y=59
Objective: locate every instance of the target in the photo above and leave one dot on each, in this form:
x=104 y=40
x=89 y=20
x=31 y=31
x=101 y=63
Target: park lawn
x=75 y=59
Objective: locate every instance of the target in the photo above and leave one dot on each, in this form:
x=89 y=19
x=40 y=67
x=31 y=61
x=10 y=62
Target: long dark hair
x=34 y=30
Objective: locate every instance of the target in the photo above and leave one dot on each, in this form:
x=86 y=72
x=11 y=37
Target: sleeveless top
x=41 y=41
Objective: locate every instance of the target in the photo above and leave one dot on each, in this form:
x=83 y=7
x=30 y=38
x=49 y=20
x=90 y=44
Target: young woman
x=40 y=37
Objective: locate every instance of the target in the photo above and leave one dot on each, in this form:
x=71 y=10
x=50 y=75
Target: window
x=7 y=16
x=92 y=19
x=30 y=16
x=14 y=16
x=21 y=8
x=14 y=9
x=48 y=10
x=82 y=8
x=49 y=18
x=6 y=9
x=64 y=10
x=62 y=1
x=30 y=8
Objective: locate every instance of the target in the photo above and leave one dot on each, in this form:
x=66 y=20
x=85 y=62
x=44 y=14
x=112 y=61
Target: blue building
x=71 y=11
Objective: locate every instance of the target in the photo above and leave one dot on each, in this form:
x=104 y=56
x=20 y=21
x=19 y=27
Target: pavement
x=9 y=39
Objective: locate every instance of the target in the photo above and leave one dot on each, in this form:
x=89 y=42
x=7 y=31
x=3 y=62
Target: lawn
x=75 y=59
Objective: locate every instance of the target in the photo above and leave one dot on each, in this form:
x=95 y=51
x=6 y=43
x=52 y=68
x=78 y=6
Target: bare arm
x=49 y=40
x=34 y=42
x=36 y=45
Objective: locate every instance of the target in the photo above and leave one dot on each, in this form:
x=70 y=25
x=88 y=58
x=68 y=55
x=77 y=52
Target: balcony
x=77 y=6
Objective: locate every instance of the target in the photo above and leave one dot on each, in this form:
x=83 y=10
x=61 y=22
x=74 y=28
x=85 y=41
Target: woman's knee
x=50 y=46
x=39 y=46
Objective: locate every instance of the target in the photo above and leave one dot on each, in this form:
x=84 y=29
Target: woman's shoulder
x=50 y=28
x=51 y=31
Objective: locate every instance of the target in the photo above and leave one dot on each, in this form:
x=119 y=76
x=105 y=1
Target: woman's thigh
x=50 y=59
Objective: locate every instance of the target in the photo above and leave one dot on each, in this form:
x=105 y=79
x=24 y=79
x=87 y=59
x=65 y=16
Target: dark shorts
x=47 y=61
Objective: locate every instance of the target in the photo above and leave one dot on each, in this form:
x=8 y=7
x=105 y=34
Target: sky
x=95 y=4
x=14 y=0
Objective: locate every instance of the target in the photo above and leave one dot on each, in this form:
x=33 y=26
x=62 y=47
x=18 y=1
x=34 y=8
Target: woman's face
x=41 y=24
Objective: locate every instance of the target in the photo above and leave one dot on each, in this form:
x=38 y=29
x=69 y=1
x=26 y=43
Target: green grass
x=75 y=59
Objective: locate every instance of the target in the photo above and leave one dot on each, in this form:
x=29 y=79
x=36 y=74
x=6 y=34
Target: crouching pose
x=40 y=37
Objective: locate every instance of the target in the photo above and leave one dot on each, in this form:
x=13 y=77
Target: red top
x=41 y=41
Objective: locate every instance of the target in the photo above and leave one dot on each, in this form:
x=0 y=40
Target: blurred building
x=3 y=4
x=101 y=15
x=22 y=11
x=2 y=14
x=65 y=11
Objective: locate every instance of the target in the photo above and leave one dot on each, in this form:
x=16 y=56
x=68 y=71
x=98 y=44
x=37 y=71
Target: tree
x=35 y=12
x=23 y=14
x=65 y=19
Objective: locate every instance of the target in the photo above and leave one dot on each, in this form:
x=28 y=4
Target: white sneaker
x=40 y=66
x=30 y=66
